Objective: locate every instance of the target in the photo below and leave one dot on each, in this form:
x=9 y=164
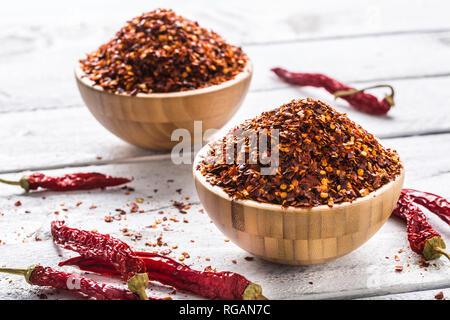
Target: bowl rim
x=240 y=77
x=278 y=208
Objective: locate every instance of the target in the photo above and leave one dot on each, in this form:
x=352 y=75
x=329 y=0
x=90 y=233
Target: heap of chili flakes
x=160 y=51
x=324 y=159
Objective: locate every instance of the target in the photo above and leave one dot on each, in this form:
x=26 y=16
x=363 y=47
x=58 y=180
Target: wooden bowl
x=148 y=120
x=297 y=236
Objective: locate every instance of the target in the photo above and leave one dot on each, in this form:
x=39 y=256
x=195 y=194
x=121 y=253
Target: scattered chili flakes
x=79 y=203
x=165 y=252
x=317 y=165
x=108 y=219
x=249 y=258
x=92 y=207
x=398 y=268
x=181 y=206
x=234 y=261
x=134 y=207
x=439 y=296
x=18 y=203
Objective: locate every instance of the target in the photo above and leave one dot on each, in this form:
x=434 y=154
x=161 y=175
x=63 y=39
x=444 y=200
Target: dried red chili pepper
x=422 y=238
x=212 y=285
x=104 y=247
x=436 y=204
x=68 y=182
x=48 y=277
x=356 y=97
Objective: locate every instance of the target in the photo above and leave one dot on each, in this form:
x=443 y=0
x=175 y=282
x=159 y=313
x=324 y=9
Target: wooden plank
x=366 y=272
x=38 y=57
x=242 y=22
x=61 y=137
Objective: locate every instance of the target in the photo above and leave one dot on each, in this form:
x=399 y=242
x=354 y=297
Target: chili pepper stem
x=23 y=182
x=20 y=271
x=443 y=252
x=253 y=292
x=389 y=97
x=138 y=283
x=434 y=248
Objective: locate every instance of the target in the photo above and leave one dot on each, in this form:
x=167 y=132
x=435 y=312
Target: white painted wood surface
x=45 y=126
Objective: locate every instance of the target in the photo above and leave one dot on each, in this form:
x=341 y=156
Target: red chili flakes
x=79 y=203
x=319 y=164
x=181 y=206
x=108 y=219
x=92 y=207
x=439 y=296
x=18 y=203
x=249 y=258
x=398 y=268
x=121 y=211
x=165 y=252
x=161 y=51
x=423 y=263
x=234 y=261
x=134 y=207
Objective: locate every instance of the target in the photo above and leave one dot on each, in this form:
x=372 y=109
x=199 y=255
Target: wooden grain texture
x=297 y=236
x=43 y=138
x=148 y=120
x=45 y=125
x=42 y=51
x=365 y=272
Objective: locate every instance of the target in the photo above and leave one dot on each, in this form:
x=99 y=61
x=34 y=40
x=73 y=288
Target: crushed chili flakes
x=398 y=268
x=324 y=158
x=439 y=296
x=161 y=51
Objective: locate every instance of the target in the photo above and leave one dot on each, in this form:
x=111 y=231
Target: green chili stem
x=23 y=182
x=20 y=271
x=15 y=183
x=138 y=283
x=253 y=292
x=17 y=271
x=388 y=97
x=443 y=252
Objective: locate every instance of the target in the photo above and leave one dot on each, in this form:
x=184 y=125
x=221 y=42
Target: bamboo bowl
x=297 y=236
x=148 y=120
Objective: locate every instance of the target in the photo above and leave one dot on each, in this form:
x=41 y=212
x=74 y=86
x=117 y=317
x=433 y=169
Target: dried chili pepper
x=436 y=204
x=68 y=182
x=48 y=277
x=359 y=99
x=212 y=285
x=324 y=158
x=422 y=238
x=104 y=247
x=160 y=51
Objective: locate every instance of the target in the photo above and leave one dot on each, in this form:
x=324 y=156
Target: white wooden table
x=45 y=126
